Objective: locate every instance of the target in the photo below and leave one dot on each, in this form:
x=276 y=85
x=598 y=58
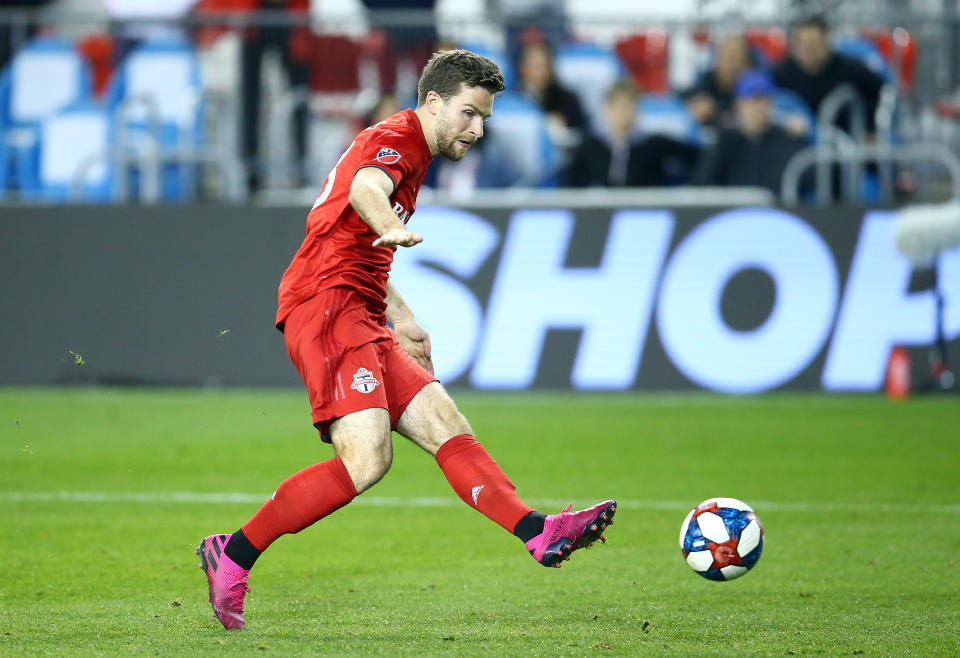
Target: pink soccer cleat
x=227 y=581
x=567 y=531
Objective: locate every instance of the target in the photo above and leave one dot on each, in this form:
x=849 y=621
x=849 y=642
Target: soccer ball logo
x=721 y=538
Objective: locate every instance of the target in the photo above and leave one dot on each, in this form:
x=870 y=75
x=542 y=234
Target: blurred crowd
x=757 y=96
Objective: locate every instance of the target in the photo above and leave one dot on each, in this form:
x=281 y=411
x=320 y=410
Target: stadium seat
x=520 y=143
x=787 y=104
x=868 y=53
x=157 y=103
x=73 y=163
x=646 y=57
x=589 y=70
x=767 y=43
x=25 y=104
x=899 y=49
x=667 y=114
x=5 y=164
x=99 y=51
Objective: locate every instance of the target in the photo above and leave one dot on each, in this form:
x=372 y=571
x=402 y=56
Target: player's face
x=460 y=122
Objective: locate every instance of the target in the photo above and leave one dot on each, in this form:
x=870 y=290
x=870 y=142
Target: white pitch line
x=178 y=497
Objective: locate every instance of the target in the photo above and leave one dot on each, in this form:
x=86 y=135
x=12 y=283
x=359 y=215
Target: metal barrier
x=150 y=164
x=852 y=151
x=859 y=155
x=513 y=197
x=830 y=138
x=147 y=154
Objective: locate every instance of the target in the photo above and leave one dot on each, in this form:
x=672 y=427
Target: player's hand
x=398 y=237
x=415 y=341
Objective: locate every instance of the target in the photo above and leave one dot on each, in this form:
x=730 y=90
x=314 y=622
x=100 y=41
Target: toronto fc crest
x=364 y=381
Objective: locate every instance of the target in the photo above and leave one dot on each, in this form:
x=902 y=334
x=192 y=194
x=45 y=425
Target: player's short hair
x=448 y=69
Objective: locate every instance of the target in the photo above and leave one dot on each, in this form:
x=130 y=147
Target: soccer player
x=363 y=379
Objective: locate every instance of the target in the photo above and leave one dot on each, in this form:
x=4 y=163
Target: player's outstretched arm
x=413 y=338
x=370 y=196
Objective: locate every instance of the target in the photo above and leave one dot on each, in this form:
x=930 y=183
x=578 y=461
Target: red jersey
x=337 y=250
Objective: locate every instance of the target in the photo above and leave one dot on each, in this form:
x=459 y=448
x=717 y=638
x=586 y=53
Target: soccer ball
x=721 y=538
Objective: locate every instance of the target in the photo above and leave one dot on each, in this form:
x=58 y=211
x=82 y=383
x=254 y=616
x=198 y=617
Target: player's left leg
x=364 y=452
x=432 y=421
x=355 y=419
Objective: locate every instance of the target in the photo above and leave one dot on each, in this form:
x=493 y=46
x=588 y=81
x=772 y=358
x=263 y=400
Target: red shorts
x=349 y=360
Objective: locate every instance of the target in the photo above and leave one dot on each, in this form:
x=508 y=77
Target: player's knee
x=368 y=463
x=378 y=466
x=447 y=422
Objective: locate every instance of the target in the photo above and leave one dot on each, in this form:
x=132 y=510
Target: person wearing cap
x=756 y=151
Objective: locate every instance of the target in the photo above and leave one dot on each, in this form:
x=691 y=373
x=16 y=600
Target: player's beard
x=447 y=140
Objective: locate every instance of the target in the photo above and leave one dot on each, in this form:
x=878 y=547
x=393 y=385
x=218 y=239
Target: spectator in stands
x=538 y=81
x=408 y=44
x=812 y=71
x=710 y=100
x=756 y=151
x=384 y=107
x=529 y=20
x=292 y=43
x=622 y=159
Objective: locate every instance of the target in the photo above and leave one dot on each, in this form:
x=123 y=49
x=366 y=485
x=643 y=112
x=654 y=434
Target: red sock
x=479 y=482
x=300 y=501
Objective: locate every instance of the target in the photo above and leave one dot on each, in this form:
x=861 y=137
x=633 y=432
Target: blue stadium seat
x=589 y=70
x=73 y=162
x=867 y=52
x=6 y=162
x=667 y=114
x=156 y=101
x=519 y=144
x=788 y=104
x=64 y=79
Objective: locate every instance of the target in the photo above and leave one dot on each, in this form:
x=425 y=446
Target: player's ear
x=434 y=102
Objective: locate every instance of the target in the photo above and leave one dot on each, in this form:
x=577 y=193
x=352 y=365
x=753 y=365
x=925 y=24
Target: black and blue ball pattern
x=721 y=538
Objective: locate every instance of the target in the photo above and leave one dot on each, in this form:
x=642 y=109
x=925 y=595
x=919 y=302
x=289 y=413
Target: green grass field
x=106 y=493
